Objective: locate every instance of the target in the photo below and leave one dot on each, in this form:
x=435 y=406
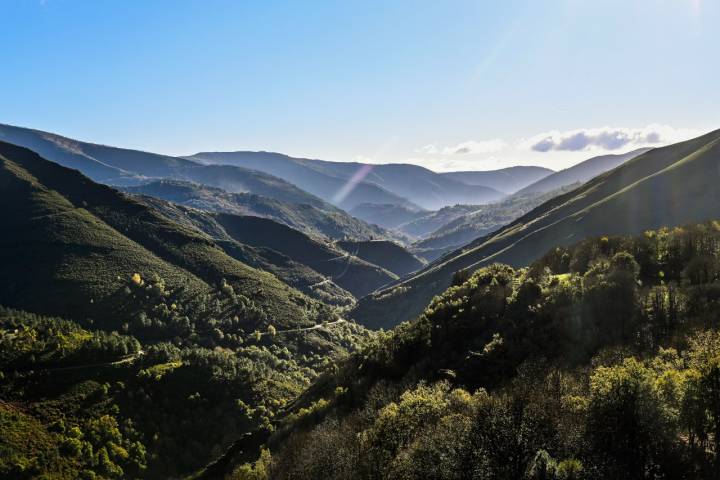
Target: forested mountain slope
x=295 y=274
x=383 y=253
x=334 y=224
x=664 y=186
x=599 y=361
x=210 y=348
x=344 y=268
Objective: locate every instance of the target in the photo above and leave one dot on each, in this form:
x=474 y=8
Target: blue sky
x=454 y=84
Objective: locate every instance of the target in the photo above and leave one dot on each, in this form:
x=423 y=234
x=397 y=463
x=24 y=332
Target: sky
x=450 y=85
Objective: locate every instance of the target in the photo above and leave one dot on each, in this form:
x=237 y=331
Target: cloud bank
x=605 y=138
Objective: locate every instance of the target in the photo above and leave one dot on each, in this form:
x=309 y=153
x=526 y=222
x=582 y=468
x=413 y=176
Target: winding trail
x=120 y=361
x=306 y=329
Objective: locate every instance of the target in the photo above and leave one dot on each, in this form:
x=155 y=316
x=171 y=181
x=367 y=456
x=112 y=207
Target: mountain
x=134 y=345
x=120 y=166
x=430 y=221
x=384 y=253
x=333 y=224
x=348 y=271
x=589 y=364
x=582 y=172
x=79 y=242
x=401 y=184
x=291 y=272
x=304 y=173
x=483 y=220
x=669 y=186
x=507 y=180
x=386 y=215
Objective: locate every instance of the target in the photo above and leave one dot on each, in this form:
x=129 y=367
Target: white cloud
x=464 y=148
x=605 y=138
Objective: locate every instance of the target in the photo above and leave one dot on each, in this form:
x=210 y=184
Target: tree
x=629 y=427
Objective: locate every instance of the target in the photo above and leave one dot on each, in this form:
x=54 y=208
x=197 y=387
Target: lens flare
x=357 y=177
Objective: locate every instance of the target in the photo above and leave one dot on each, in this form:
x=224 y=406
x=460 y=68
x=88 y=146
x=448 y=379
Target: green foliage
x=588 y=364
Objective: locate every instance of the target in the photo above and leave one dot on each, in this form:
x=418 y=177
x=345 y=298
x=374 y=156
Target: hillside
x=210 y=347
x=582 y=172
x=429 y=222
x=401 y=184
x=664 y=186
x=506 y=180
x=345 y=269
x=335 y=224
x=386 y=254
x=387 y=215
x=111 y=165
x=316 y=181
x=599 y=361
x=483 y=220
x=88 y=239
x=291 y=272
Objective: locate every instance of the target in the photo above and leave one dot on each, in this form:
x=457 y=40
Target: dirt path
x=306 y=329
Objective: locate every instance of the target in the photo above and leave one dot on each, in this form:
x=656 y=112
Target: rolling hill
x=400 y=184
x=386 y=254
x=506 y=180
x=582 y=172
x=669 y=186
x=334 y=224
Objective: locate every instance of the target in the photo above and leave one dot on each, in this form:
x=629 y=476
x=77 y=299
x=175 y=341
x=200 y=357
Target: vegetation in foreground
x=600 y=360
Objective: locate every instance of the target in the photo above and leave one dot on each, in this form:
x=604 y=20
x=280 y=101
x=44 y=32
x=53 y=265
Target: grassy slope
x=582 y=172
x=665 y=186
x=386 y=254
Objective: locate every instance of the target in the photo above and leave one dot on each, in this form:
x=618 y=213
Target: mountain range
x=665 y=186
x=400 y=184
x=581 y=172
x=319 y=222
x=506 y=180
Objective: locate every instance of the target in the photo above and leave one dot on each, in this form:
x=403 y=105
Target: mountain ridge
x=623 y=194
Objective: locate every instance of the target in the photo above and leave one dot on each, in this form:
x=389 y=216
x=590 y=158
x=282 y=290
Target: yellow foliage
x=136 y=279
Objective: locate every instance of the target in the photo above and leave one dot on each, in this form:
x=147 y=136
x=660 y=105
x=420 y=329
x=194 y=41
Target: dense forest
x=600 y=360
